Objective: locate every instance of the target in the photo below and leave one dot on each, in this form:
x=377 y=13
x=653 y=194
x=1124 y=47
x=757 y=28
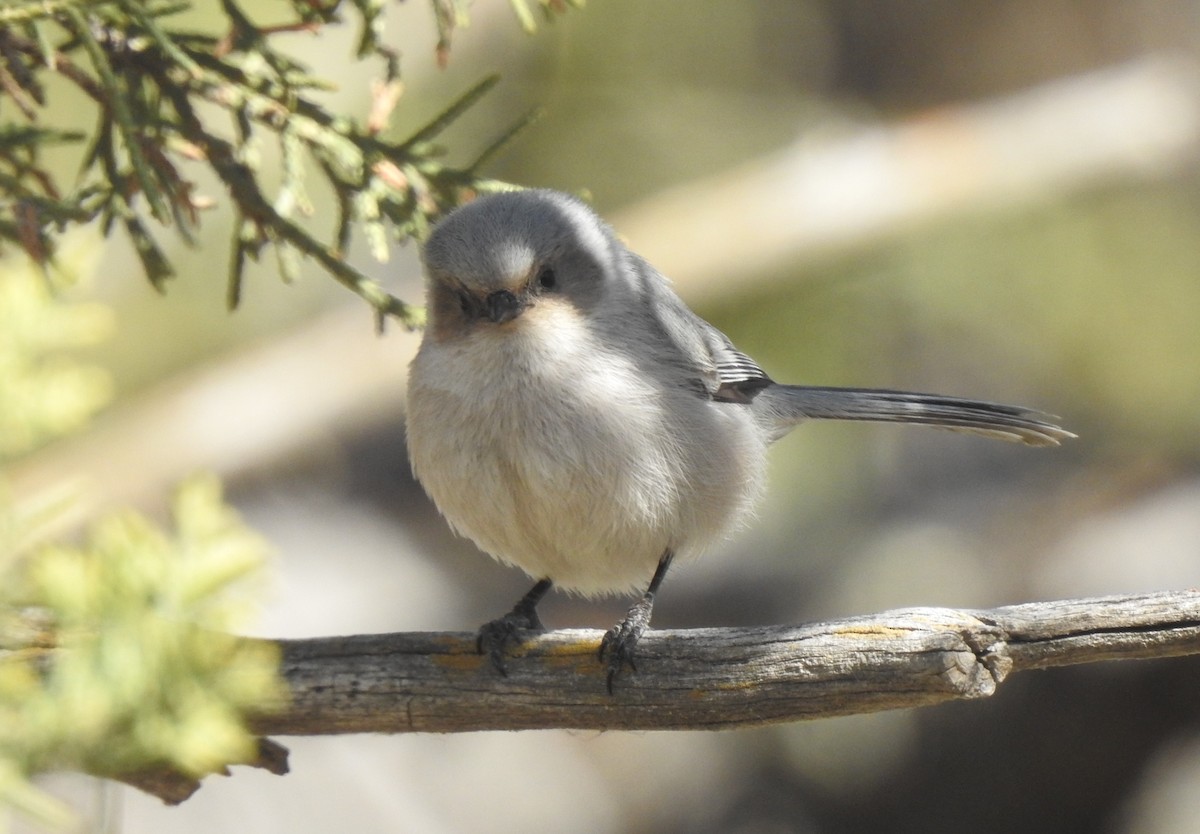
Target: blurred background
x=997 y=200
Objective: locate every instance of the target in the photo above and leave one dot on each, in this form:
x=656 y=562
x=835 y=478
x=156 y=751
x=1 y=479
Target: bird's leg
x=495 y=637
x=617 y=647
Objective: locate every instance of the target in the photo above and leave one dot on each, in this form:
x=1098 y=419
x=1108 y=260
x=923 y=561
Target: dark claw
x=617 y=649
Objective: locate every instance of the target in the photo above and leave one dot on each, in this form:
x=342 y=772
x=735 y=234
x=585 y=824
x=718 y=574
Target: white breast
x=558 y=455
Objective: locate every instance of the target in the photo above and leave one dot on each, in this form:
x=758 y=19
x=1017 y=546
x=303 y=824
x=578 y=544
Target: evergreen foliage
x=154 y=86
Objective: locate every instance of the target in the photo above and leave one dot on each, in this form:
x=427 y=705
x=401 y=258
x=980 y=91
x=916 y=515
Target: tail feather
x=783 y=406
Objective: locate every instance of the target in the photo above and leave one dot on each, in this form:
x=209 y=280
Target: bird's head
x=504 y=257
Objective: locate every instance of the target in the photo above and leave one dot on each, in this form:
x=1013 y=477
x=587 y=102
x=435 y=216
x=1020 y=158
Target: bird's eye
x=546 y=278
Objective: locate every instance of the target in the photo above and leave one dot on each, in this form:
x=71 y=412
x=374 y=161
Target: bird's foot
x=620 y=641
x=495 y=638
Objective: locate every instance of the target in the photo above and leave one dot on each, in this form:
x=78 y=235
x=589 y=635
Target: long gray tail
x=783 y=406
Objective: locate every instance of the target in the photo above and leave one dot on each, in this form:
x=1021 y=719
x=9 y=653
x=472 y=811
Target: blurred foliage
x=155 y=87
x=114 y=656
x=43 y=392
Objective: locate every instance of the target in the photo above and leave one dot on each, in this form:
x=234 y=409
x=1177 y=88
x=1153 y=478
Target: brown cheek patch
x=446 y=319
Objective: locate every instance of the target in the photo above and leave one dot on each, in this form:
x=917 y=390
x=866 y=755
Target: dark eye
x=546 y=278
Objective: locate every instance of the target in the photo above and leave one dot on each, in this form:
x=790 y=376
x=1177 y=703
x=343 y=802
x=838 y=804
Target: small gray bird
x=569 y=414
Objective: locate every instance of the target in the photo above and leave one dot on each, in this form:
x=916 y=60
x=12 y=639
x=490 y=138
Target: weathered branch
x=715 y=678
x=698 y=679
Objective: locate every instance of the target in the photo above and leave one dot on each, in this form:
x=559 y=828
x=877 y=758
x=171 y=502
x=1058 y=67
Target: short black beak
x=502 y=306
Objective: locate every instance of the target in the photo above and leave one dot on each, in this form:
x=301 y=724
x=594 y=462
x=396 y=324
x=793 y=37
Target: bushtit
x=569 y=414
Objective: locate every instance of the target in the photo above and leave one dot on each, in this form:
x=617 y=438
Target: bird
x=570 y=414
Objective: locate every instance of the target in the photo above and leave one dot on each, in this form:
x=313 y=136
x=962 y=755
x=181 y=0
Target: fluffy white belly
x=559 y=457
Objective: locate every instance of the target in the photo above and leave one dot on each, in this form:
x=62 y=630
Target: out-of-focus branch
x=835 y=191
x=173 y=787
x=291 y=392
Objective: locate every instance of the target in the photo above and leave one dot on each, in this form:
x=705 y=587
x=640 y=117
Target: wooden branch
x=173 y=787
x=714 y=678
x=697 y=679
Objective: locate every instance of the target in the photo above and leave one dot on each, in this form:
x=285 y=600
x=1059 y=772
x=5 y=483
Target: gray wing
x=725 y=373
x=739 y=377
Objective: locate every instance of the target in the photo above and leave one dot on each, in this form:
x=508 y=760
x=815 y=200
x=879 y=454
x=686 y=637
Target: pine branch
x=146 y=78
